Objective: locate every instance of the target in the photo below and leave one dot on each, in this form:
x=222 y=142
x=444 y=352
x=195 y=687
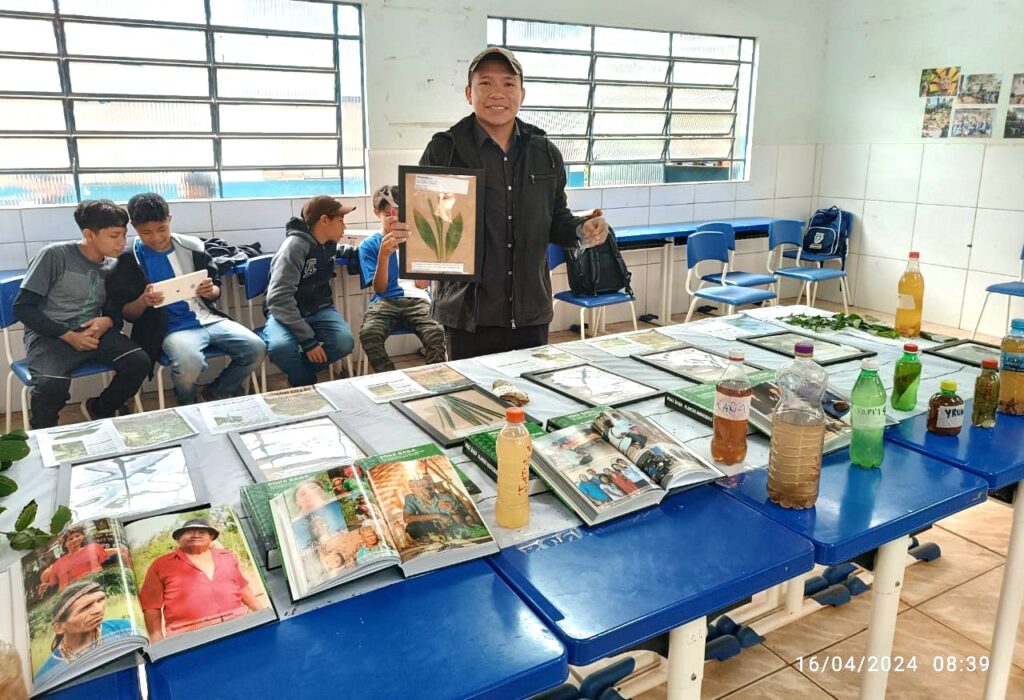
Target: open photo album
x=407 y=508
x=91 y=597
x=619 y=463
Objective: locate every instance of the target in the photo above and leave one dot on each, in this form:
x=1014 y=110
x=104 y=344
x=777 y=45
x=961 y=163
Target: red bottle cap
x=914 y=255
x=990 y=363
x=910 y=347
x=515 y=414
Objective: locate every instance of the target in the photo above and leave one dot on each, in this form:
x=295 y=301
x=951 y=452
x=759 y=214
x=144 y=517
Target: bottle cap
x=804 y=349
x=910 y=347
x=914 y=255
x=870 y=364
x=947 y=385
x=514 y=414
x=1017 y=324
x=736 y=355
x=990 y=363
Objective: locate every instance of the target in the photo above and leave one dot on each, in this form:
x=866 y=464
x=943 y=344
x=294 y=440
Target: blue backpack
x=828 y=232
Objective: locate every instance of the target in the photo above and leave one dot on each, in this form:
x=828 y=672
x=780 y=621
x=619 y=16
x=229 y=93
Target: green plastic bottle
x=867 y=416
x=906 y=379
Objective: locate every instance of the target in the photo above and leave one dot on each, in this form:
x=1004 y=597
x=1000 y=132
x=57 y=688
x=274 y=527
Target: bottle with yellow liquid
x=514 y=447
x=910 y=304
x=1011 y=370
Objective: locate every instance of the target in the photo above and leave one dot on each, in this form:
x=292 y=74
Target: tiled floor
x=948 y=608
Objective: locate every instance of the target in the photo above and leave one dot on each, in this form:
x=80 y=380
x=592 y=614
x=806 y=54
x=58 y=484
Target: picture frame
x=593 y=386
x=445 y=211
x=298 y=433
x=450 y=417
x=697 y=372
x=826 y=352
x=158 y=479
x=967 y=352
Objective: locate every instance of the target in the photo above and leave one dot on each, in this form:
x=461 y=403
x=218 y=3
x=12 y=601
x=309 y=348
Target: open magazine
x=407 y=508
x=102 y=590
x=619 y=463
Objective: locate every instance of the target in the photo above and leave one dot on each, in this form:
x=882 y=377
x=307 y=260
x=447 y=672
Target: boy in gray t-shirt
x=61 y=304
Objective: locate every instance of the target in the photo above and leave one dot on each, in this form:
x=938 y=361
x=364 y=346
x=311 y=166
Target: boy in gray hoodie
x=304 y=330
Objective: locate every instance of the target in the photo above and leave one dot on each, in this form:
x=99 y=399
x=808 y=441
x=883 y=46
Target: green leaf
x=13 y=448
x=7 y=486
x=454 y=235
x=27 y=516
x=29 y=538
x=426 y=233
x=61 y=517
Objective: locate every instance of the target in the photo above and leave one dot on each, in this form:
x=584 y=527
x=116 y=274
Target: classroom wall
x=959 y=201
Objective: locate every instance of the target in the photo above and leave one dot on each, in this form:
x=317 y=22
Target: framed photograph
x=826 y=352
x=451 y=416
x=445 y=211
x=593 y=386
x=132 y=485
x=692 y=363
x=298 y=447
x=968 y=352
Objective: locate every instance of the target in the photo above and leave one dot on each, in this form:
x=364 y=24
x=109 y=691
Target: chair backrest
x=723 y=228
x=785 y=232
x=556 y=256
x=706 y=245
x=8 y=292
x=257 y=276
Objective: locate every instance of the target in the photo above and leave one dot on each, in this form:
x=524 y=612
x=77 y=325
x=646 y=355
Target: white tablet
x=180 y=288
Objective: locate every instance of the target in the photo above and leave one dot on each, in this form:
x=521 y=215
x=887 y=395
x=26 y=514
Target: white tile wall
x=943 y=234
x=762 y=173
x=620 y=197
x=715 y=192
x=10 y=226
x=943 y=293
x=795 y=171
x=672 y=214
x=754 y=207
x=798 y=208
x=583 y=199
x=994 y=320
x=49 y=224
x=243 y=214
x=1002 y=178
x=672 y=194
x=12 y=256
x=887 y=229
x=633 y=216
x=951 y=174
x=894 y=172
x=844 y=171
x=714 y=210
x=876 y=284
x=191 y=217
x=998 y=242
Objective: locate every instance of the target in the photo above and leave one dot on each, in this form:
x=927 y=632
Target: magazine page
x=427 y=509
x=657 y=454
x=152 y=428
x=235 y=413
x=596 y=473
x=82 y=601
x=332 y=530
x=78 y=441
x=197 y=579
x=693 y=363
x=437 y=378
x=387 y=386
x=517 y=362
x=301 y=447
x=297 y=402
x=634 y=343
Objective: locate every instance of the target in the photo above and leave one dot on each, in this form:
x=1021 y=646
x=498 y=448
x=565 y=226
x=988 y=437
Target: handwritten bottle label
x=867 y=417
x=732 y=407
x=906 y=301
x=950 y=417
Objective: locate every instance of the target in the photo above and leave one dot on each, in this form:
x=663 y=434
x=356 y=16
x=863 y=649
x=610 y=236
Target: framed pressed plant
x=445 y=211
x=449 y=417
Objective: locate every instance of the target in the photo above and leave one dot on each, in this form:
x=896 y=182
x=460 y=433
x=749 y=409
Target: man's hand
x=388 y=245
x=398 y=229
x=96 y=327
x=80 y=341
x=208 y=290
x=595 y=230
x=317 y=355
x=150 y=297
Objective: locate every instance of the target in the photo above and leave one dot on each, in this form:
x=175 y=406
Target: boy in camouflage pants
x=395 y=301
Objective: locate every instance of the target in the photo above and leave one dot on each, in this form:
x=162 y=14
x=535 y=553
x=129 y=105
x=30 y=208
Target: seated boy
x=62 y=303
x=184 y=329
x=394 y=301
x=304 y=331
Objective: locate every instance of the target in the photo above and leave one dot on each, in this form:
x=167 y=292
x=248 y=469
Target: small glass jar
x=946 y=410
x=986 y=395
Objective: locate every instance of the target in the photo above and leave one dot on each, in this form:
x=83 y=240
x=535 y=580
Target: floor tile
x=924 y=639
x=987 y=524
x=961 y=561
x=787 y=683
x=970 y=609
x=723 y=677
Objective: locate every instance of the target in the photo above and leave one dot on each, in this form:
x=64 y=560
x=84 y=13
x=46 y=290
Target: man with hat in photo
x=525 y=209
x=194 y=586
x=304 y=330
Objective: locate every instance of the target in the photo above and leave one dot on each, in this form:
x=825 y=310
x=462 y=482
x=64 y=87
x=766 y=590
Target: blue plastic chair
x=556 y=256
x=707 y=246
x=737 y=277
x=1010 y=289
x=819 y=259
x=256 y=280
x=19 y=368
x=787 y=233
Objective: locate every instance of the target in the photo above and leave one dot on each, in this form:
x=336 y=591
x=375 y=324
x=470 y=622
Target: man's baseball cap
x=493 y=52
x=323 y=205
x=196 y=524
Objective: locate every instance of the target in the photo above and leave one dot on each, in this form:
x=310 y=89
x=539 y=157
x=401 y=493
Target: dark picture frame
x=957 y=351
x=465 y=405
x=647 y=359
x=453 y=233
x=760 y=341
x=544 y=378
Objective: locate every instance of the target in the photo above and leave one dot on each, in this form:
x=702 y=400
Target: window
x=629 y=106
x=188 y=98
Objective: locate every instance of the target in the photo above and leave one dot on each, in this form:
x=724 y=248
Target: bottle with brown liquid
x=1011 y=372
x=946 y=410
x=732 y=410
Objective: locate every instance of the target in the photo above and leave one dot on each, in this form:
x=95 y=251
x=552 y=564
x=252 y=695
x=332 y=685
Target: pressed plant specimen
x=443 y=234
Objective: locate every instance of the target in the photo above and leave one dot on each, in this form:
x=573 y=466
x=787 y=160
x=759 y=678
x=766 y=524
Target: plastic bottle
x=798 y=431
x=946 y=410
x=867 y=417
x=514 y=447
x=732 y=410
x=986 y=395
x=906 y=379
x=1011 y=372
x=910 y=304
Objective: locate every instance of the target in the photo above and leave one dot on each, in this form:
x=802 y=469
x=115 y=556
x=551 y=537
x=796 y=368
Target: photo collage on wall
x=959 y=105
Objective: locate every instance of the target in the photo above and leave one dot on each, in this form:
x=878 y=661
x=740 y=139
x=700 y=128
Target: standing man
x=524 y=210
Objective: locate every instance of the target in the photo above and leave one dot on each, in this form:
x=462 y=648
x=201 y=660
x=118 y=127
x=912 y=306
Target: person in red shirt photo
x=194 y=586
x=79 y=559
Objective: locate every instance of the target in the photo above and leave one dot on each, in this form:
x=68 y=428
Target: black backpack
x=597 y=270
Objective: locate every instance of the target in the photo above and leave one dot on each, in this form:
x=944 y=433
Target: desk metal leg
x=1008 y=613
x=686 y=660
x=665 y=314
x=890 y=564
